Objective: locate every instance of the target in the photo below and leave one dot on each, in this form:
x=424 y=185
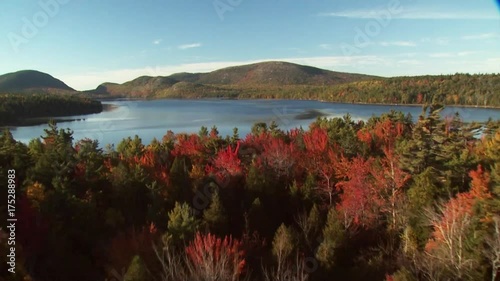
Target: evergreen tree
x=54 y=159
x=417 y=152
x=491 y=146
x=258 y=220
x=259 y=128
x=180 y=187
x=203 y=133
x=89 y=159
x=129 y=147
x=235 y=137
x=421 y=195
x=215 y=216
x=13 y=156
x=181 y=224
x=333 y=237
x=136 y=271
x=256 y=180
x=453 y=154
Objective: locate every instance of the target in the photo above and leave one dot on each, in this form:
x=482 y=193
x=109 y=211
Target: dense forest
x=15 y=109
x=458 y=89
x=385 y=199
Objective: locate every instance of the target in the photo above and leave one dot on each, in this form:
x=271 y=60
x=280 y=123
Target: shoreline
x=110 y=106
x=114 y=106
x=419 y=105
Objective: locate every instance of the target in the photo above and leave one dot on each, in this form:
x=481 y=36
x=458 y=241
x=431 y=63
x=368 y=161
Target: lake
x=153 y=118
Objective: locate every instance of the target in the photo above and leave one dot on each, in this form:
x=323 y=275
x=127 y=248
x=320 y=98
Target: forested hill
x=274 y=80
x=29 y=97
x=28 y=81
x=457 y=89
x=272 y=73
x=228 y=82
x=281 y=80
x=16 y=109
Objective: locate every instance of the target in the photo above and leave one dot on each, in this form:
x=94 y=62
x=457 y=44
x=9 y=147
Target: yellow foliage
x=36 y=192
x=196 y=174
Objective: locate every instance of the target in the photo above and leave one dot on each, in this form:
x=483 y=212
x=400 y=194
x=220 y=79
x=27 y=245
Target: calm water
x=150 y=119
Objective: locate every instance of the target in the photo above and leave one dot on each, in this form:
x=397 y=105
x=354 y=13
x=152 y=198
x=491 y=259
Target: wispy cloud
x=368 y=64
x=325 y=46
x=441 y=55
x=296 y=50
x=398 y=44
x=157 y=42
x=406 y=55
x=355 y=14
x=410 y=62
x=452 y=54
x=413 y=14
x=442 y=41
x=483 y=36
x=466 y=53
x=189 y=46
x=470 y=15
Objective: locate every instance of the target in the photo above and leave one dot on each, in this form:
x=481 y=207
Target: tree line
x=385 y=199
x=458 y=89
x=15 y=109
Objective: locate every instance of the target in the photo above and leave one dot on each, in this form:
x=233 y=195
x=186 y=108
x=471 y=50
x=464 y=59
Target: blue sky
x=85 y=43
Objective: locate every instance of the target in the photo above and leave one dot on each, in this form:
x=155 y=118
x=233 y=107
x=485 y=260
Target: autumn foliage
x=215 y=258
x=385 y=198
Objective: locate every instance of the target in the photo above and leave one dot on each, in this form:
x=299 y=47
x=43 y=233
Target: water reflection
x=152 y=119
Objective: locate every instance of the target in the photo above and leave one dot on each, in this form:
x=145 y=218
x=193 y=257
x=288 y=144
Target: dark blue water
x=150 y=119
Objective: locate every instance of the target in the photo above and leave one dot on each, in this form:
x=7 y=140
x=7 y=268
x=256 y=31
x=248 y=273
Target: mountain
x=230 y=81
x=277 y=73
x=29 y=81
x=280 y=80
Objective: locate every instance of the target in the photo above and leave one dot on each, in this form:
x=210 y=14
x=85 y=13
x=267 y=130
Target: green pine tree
x=181 y=224
x=136 y=270
x=179 y=177
x=333 y=237
x=215 y=216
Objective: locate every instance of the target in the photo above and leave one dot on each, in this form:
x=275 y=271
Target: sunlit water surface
x=152 y=119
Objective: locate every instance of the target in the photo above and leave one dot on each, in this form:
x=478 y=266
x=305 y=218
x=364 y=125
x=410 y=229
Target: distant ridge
x=277 y=73
x=28 y=81
x=272 y=74
x=279 y=80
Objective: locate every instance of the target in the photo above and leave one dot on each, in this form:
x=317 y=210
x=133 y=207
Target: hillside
x=280 y=80
x=231 y=81
x=278 y=73
x=29 y=81
x=30 y=97
x=38 y=108
x=456 y=89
